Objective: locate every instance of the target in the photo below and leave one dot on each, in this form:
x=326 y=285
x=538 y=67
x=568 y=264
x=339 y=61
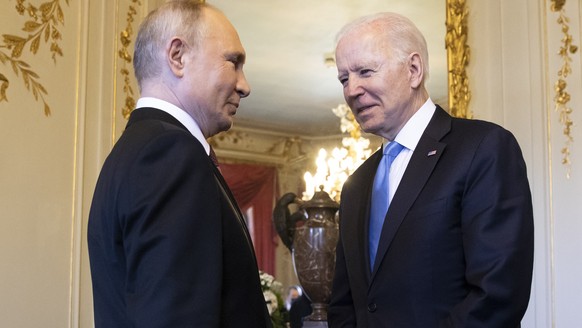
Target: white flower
x=272 y=293
x=271 y=300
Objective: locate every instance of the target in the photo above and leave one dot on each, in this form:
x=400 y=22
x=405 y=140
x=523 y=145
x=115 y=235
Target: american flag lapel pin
x=432 y=152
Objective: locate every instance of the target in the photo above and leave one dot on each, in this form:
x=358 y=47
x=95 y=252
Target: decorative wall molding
x=241 y=144
x=126 y=38
x=458 y=56
x=42 y=26
x=562 y=97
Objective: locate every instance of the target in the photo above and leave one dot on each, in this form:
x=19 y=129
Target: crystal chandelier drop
x=334 y=167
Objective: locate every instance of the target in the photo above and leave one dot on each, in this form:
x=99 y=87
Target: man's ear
x=176 y=51
x=416 y=70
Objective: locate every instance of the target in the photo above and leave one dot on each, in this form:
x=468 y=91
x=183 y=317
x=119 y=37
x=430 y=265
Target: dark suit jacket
x=300 y=308
x=456 y=249
x=168 y=246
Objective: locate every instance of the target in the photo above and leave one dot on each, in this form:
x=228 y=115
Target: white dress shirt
x=409 y=137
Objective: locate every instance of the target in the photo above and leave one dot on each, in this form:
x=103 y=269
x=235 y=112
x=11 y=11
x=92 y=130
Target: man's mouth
x=363 y=108
x=232 y=111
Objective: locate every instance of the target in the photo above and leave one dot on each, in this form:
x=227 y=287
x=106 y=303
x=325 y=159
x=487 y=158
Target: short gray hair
x=173 y=18
x=403 y=36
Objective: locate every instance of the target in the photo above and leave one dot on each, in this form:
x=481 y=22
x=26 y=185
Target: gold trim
x=42 y=26
x=562 y=97
x=458 y=55
x=126 y=38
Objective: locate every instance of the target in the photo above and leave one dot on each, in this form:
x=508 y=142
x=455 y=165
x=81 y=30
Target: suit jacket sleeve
x=497 y=229
x=172 y=235
x=341 y=312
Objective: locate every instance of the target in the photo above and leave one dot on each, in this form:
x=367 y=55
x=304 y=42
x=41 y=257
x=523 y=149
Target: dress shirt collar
x=410 y=134
x=178 y=114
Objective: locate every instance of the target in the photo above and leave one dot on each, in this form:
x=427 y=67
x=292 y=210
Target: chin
x=368 y=127
x=225 y=126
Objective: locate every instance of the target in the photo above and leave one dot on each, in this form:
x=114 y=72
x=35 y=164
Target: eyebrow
x=237 y=56
x=347 y=71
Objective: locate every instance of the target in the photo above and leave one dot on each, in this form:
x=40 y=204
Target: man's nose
x=353 y=88
x=242 y=87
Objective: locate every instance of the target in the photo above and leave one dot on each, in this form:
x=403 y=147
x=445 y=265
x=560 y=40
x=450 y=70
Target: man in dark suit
x=300 y=308
x=454 y=247
x=168 y=245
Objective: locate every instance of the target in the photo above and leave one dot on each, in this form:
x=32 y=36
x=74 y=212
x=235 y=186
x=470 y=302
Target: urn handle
x=284 y=221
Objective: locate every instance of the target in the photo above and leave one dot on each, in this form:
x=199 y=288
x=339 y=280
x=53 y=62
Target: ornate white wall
x=49 y=163
x=512 y=73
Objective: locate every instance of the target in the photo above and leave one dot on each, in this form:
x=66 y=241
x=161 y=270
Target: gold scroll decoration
x=458 y=55
x=42 y=26
x=562 y=97
x=125 y=37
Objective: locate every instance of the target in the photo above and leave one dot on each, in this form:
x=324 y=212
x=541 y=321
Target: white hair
x=173 y=18
x=401 y=33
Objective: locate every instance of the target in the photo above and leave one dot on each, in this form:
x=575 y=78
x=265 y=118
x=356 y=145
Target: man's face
x=294 y=293
x=214 y=81
x=376 y=86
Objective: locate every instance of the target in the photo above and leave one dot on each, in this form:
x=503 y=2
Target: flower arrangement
x=272 y=290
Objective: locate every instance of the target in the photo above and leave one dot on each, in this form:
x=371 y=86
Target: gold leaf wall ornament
x=557 y=5
x=42 y=26
x=125 y=38
x=562 y=97
x=3 y=86
x=458 y=55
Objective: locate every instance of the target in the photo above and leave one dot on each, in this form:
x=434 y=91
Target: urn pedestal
x=311 y=234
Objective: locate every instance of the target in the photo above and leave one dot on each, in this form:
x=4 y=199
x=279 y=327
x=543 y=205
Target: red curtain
x=254 y=186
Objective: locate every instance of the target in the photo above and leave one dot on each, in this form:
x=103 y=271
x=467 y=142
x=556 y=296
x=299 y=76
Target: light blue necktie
x=380 y=199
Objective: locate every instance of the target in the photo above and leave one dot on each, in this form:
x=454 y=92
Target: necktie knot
x=393 y=149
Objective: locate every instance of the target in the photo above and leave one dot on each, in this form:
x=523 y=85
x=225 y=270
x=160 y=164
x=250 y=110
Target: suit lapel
x=147 y=113
x=234 y=207
x=419 y=169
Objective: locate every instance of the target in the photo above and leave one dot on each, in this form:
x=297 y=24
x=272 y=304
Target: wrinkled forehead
x=216 y=24
x=363 y=35
x=220 y=37
x=360 y=44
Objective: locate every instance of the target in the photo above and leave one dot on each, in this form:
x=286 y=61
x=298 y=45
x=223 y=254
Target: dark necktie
x=380 y=198
x=212 y=155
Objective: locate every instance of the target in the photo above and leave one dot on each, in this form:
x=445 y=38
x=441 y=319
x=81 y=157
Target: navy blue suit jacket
x=168 y=245
x=456 y=249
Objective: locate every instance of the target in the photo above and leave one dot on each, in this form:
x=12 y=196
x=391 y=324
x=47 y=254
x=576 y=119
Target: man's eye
x=343 y=80
x=365 y=72
x=235 y=60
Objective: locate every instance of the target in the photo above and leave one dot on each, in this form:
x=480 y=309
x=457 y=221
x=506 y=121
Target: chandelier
x=335 y=166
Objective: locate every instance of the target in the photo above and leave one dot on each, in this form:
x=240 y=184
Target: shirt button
x=372 y=307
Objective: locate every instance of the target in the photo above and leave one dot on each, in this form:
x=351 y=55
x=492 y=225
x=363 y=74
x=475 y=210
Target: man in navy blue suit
x=168 y=245
x=453 y=244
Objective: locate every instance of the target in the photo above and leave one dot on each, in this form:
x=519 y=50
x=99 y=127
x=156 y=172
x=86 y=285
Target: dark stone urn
x=311 y=234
